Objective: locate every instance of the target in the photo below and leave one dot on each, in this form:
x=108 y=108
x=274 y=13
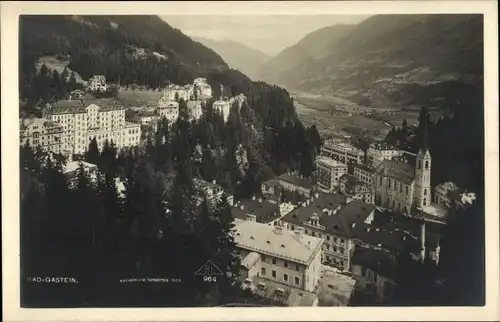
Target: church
x=400 y=186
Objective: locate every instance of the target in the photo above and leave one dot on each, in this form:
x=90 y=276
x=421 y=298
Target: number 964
x=210 y=279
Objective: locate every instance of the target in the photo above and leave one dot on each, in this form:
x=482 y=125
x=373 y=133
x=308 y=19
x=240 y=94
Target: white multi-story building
x=43 y=133
x=289 y=258
x=168 y=109
x=364 y=173
x=97 y=83
x=343 y=152
x=149 y=118
x=328 y=173
x=174 y=92
x=377 y=152
x=204 y=91
x=83 y=120
x=223 y=107
x=194 y=109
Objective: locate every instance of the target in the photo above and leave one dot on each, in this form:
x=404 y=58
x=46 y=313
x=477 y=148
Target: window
x=297 y=268
x=285 y=264
x=263 y=271
x=407 y=190
x=274 y=261
x=425 y=202
x=285 y=277
x=426 y=165
x=274 y=273
x=425 y=192
x=400 y=187
x=306 y=231
x=297 y=281
x=328 y=238
x=380 y=181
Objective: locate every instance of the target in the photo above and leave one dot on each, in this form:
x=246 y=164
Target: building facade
x=168 y=109
x=364 y=173
x=194 y=109
x=328 y=173
x=42 y=133
x=83 y=120
x=97 y=83
x=343 y=152
x=377 y=152
x=222 y=107
x=331 y=218
x=294 y=182
x=289 y=258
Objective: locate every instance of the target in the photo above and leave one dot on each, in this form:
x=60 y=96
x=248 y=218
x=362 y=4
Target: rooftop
x=324 y=200
x=296 y=180
x=382 y=146
x=390 y=238
x=364 y=167
x=400 y=171
x=377 y=261
x=343 y=146
x=335 y=289
x=343 y=216
x=38 y=121
x=203 y=185
x=329 y=162
x=74 y=165
x=283 y=294
x=263 y=210
x=250 y=260
x=447 y=186
x=80 y=105
x=275 y=241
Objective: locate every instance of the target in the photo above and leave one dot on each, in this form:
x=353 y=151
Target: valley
x=339 y=117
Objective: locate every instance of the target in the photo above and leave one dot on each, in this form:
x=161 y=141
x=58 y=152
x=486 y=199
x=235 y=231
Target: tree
x=462 y=260
x=208 y=167
x=92 y=154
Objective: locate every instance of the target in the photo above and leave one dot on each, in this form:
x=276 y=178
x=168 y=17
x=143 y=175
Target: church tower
x=422 y=194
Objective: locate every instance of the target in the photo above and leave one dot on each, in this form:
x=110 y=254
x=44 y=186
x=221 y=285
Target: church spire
x=425 y=134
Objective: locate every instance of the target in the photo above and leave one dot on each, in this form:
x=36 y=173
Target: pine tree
x=92 y=155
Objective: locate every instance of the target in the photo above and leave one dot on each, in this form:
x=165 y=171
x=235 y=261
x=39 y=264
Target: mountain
x=237 y=56
x=141 y=50
x=391 y=60
x=127 y=49
x=312 y=46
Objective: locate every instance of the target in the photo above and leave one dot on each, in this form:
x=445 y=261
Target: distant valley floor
x=335 y=116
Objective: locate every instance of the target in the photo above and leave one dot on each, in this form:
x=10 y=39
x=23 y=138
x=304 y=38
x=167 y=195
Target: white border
x=10 y=183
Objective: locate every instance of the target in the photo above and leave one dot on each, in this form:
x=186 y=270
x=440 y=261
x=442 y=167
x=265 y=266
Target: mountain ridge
x=237 y=55
x=372 y=62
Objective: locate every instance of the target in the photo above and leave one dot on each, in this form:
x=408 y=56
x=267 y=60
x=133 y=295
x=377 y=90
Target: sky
x=268 y=33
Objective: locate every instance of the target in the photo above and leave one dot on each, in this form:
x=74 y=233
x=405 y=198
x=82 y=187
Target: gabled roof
x=400 y=171
x=296 y=180
x=341 y=222
x=347 y=218
x=263 y=210
x=276 y=241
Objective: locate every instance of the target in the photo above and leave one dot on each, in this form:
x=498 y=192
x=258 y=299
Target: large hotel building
x=82 y=120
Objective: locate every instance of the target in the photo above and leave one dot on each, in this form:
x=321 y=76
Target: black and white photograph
x=251 y=160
